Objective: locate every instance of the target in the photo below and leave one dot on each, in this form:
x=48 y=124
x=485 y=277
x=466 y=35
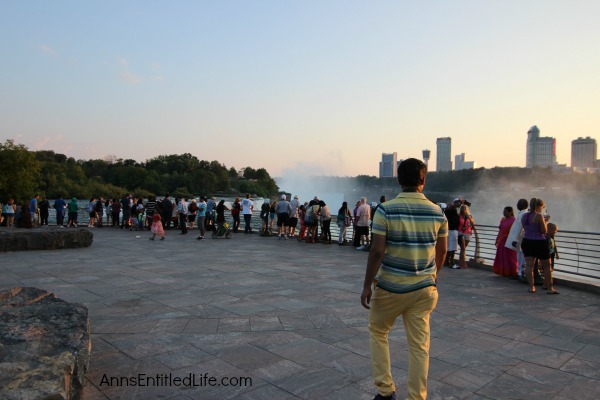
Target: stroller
x=222 y=231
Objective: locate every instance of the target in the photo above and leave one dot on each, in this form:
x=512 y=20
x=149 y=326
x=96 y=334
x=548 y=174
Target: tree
x=21 y=171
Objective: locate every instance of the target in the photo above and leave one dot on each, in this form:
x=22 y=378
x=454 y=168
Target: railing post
x=477 y=257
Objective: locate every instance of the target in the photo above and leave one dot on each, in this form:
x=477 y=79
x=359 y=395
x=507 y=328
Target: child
x=550 y=232
x=157 y=228
x=140 y=220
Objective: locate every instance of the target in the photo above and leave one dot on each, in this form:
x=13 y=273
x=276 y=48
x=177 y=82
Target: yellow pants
x=415 y=308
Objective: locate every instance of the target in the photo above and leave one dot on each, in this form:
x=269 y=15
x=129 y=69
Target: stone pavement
x=288 y=316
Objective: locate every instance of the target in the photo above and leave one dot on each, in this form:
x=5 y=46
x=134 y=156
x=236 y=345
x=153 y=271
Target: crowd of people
x=525 y=243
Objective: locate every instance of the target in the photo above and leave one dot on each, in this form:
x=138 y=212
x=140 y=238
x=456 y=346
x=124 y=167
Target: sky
x=316 y=87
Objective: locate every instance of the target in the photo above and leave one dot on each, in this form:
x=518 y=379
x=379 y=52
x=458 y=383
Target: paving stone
x=468 y=379
x=247 y=357
x=511 y=387
x=589 y=353
x=265 y=324
x=239 y=324
x=558 y=343
x=582 y=367
x=183 y=358
x=202 y=325
x=535 y=354
x=582 y=389
x=440 y=390
x=309 y=351
x=267 y=392
x=540 y=374
x=314 y=383
x=353 y=365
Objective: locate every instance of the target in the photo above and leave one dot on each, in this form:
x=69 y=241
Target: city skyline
x=322 y=88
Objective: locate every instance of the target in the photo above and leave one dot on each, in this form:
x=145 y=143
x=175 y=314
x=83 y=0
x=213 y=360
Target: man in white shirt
x=247 y=207
x=182 y=211
x=363 y=215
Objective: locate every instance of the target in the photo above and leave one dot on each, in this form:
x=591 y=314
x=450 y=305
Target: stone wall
x=44 y=239
x=44 y=346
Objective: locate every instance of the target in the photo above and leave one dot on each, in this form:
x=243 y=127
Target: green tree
x=20 y=178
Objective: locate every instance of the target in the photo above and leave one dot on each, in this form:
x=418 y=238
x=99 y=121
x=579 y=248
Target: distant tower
x=444 y=154
x=426 y=154
x=541 y=151
x=387 y=166
x=584 y=153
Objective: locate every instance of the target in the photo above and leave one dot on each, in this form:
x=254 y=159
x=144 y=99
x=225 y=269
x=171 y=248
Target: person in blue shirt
x=33 y=209
x=59 y=206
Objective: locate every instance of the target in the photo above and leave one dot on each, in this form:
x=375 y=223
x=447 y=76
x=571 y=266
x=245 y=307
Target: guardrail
x=579 y=252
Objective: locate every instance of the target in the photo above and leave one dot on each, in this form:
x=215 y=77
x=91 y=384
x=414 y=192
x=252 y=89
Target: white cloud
x=44 y=48
x=131 y=78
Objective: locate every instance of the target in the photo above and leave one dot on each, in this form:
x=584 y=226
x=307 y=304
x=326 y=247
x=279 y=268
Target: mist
x=571 y=208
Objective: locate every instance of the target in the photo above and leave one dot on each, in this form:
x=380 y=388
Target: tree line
x=51 y=174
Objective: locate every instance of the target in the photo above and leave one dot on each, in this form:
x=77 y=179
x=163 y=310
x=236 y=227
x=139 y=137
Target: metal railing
x=579 y=252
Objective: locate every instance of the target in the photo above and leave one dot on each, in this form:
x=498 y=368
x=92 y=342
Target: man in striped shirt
x=408 y=249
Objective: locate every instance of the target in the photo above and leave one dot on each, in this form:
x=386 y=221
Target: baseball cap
x=283 y=197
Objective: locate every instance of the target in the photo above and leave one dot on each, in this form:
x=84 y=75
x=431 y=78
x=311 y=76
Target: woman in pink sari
x=505 y=263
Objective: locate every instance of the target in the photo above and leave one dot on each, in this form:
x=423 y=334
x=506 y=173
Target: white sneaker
x=360 y=248
x=456 y=266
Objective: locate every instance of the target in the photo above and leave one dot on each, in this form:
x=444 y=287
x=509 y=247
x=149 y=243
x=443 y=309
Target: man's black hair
x=411 y=172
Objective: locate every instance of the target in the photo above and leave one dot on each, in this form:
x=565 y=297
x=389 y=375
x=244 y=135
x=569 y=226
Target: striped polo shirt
x=411 y=224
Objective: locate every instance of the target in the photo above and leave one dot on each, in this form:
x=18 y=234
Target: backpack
x=90 y=207
x=193 y=207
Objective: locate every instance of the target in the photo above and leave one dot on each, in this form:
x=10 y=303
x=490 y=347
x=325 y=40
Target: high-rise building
x=541 y=151
x=584 y=153
x=444 y=154
x=426 y=154
x=461 y=163
x=387 y=166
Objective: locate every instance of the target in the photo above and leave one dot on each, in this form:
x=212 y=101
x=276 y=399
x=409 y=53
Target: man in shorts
x=295 y=203
x=283 y=209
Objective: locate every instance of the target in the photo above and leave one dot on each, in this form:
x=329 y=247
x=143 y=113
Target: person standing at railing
x=505 y=263
x=465 y=229
x=535 y=245
x=516 y=236
x=451 y=213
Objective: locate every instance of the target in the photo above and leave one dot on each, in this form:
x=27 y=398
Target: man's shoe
x=390 y=397
x=455 y=266
x=360 y=248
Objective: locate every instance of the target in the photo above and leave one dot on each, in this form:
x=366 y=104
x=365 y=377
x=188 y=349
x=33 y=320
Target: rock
x=44 y=239
x=44 y=346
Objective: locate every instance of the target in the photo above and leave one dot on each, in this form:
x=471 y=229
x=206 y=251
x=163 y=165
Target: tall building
x=387 y=166
x=584 y=153
x=541 y=151
x=444 y=154
x=461 y=163
x=426 y=154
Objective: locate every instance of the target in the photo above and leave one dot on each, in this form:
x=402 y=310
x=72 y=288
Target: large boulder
x=44 y=346
x=44 y=239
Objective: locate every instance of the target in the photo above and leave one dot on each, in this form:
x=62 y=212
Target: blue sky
x=323 y=87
